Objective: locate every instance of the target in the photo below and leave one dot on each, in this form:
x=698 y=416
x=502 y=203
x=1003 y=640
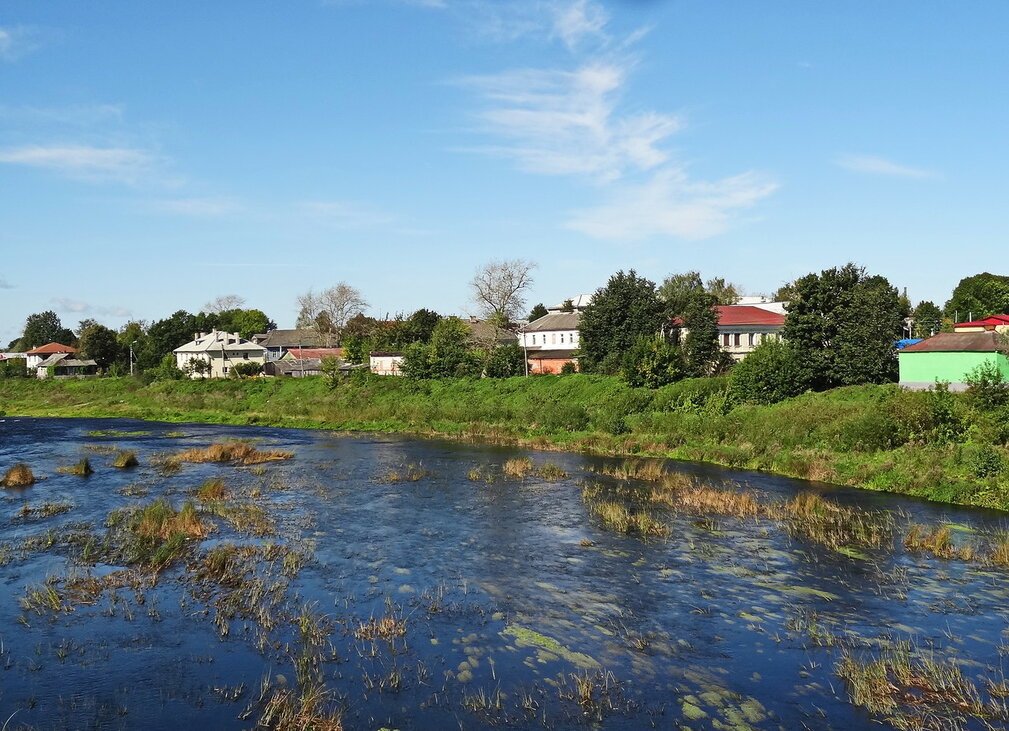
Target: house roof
x=552 y=354
x=483 y=331
x=554 y=321
x=579 y=302
x=737 y=315
x=297 y=338
x=215 y=341
x=313 y=353
x=65 y=361
x=976 y=342
x=54 y=359
x=993 y=321
x=52 y=348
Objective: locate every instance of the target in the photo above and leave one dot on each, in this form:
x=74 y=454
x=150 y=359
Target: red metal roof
x=737 y=315
x=53 y=348
x=993 y=321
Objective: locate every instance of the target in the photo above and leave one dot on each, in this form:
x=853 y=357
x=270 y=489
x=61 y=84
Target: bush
x=569 y=368
x=13 y=368
x=771 y=373
x=246 y=369
x=987 y=463
x=690 y=394
x=652 y=362
x=986 y=386
x=506 y=361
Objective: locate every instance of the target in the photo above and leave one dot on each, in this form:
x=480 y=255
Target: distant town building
x=386 y=363
x=278 y=342
x=743 y=327
x=994 y=323
x=35 y=356
x=553 y=340
x=221 y=350
x=949 y=358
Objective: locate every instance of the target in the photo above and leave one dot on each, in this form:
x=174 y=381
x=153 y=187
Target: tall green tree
x=101 y=344
x=700 y=346
x=653 y=362
x=843 y=324
x=725 y=293
x=244 y=322
x=677 y=291
x=978 y=297
x=166 y=335
x=43 y=328
x=449 y=354
x=539 y=310
x=626 y=309
x=927 y=319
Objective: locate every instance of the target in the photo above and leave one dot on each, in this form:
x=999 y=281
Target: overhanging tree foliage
x=978 y=297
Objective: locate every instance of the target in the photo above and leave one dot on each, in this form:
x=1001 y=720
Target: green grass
x=875 y=437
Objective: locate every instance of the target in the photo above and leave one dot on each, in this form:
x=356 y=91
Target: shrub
x=569 y=368
x=247 y=368
x=987 y=462
x=652 y=362
x=125 y=460
x=506 y=361
x=20 y=475
x=690 y=394
x=986 y=386
x=771 y=373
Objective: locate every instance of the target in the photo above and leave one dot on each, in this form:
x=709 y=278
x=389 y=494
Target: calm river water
x=509 y=591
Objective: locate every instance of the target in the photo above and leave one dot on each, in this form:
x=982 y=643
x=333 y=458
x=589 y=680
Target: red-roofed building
x=995 y=323
x=36 y=356
x=741 y=328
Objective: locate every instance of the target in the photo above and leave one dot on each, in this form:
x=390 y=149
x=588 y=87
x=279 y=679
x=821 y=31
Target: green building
x=950 y=357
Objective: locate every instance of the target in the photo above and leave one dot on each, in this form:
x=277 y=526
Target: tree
x=166 y=335
x=725 y=293
x=626 y=309
x=700 y=347
x=329 y=311
x=418 y=327
x=785 y=293
x=43 y=328
x=843 y=324
x=449 y=354
x=499 y=289
x=978 y=297
x=537 y=312
x=677 y=290
x=505 y=361
x=224 y=303
x=927 y=319
x=246 y=369
x=100 y=344
x=85 y=324
x=771 y=373
x=568 y=306
x=330 y=367
x=244 y=322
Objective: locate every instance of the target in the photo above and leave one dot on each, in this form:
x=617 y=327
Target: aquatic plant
x=19 y=475
x=617 y=517
x=550 y=471
x=706 y=500
x=82 y=468
x=481 y=474
x=42 y=598
x=999 y=551
x=811 y=517
x=937 y=541
x=212 y=489
x=517 y=467
x=241 y=453
x=386 y=628
x=45 y=510
x=411 y=472
x=125 y=460
x=156 y=534
x=911 y=690
x=647 y=470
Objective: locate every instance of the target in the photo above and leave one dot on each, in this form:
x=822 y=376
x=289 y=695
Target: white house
x=742 y=327
x=35 y=356
x=558 y=329
x=221 y=350
x=386 y=363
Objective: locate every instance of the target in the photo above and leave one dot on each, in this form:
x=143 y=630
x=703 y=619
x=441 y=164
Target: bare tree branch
x=499 y=289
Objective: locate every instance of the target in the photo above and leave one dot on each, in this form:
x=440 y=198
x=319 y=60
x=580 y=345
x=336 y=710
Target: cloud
x=671 y=204
x=122 y=164
x=4 y=284
x=17 y=41
x=65 y=304
x=873 y=165
x=560 y=122
x=575 y=21
x=197 y=207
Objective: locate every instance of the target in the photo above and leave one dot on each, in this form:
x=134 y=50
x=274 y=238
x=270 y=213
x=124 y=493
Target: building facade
x=949 y=358
x=221 y=351
x=741 y=328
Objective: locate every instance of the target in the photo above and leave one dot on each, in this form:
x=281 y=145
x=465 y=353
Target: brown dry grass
x=386 y=628
x=937 y=541
x=236 y=452
x=160 y=522
x=20 y=475
x=518 y=467
x=212 y=489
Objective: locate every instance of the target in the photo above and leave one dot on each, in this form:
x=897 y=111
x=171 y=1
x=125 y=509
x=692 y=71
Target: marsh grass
x=412 y=472
x=811 y=517
x=912 y=690
x=156 y=534
x=517 y=467
x=125 y=460
x=646 y=470
x=43 y=598
x=45 y=510
x=241 y=453
x=936 y=541
x=999 y=550
x=482 y=473
x=551 y=472
x=388 y=628
x=19 y=475
x=618 y=517
x=212 y=489
x=244 y=517
x=82 y=468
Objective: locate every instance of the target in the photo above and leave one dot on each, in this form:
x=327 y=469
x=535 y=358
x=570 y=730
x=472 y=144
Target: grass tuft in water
x=82 y=468
x=813 y=518
x=936 y=541
x=237 y=452
x=411 y=472
x=19 y=475
x=125 y=460
x=550 y=471
x=518 y=467
x=212 y=489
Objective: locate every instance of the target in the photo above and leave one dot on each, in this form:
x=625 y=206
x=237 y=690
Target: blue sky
x=156 y=155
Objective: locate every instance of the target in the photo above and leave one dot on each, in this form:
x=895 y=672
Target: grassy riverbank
x=938 y=446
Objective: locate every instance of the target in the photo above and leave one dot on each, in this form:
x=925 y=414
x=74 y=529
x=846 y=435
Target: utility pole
x=131 y=356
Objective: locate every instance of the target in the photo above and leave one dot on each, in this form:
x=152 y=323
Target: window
x=534 y=339
x=225 y=370
x=735 y=340
x=725 y=340
x=245 y=356
x=553 y=338
x=751 y=339
x=562 y=338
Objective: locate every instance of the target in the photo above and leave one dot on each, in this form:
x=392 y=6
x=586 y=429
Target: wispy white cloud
x=4 y=284
x=671 y=204
x=18 y=41
x=65 y=304
x=86 y=162
x=575 y=21
x=873 y=165
x=196 y=207
x=561 y=122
